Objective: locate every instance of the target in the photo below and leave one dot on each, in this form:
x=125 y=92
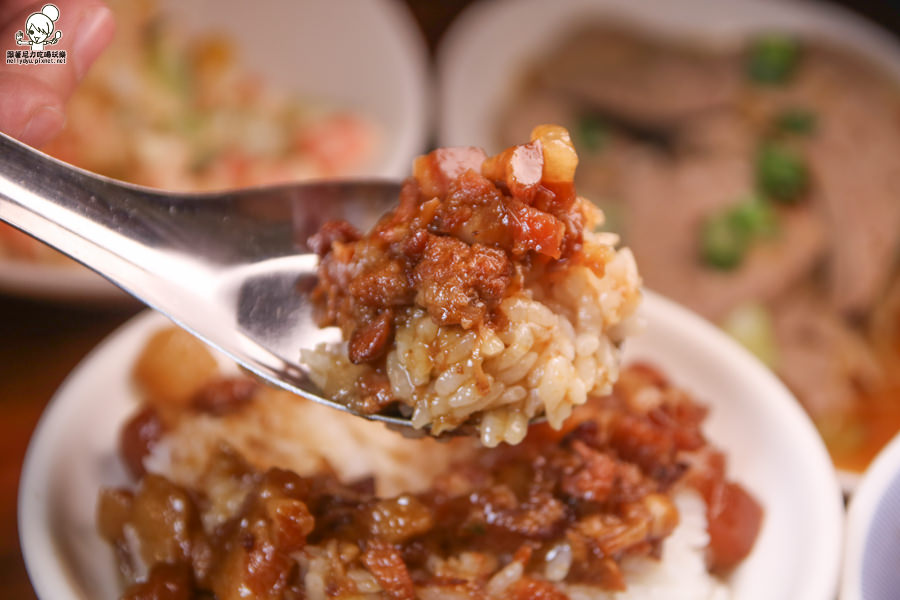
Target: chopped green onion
x=722 y=245
x=751 y=325
x=772 y=59
x=781 y=173
x=796 y=120
x=754 y=217
x=165 y=61
x=591 y=133
x=725 y=237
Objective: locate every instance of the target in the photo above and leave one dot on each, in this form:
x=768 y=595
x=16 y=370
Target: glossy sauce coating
x=466 y=233
x=600 y=488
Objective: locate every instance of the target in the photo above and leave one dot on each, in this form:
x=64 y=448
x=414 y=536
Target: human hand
x=32 y=97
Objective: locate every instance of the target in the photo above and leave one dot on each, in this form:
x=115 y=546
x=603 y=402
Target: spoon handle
x=232 y=268
x=104 y=224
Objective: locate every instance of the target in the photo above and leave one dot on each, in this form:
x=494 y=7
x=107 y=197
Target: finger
x=12 y=8
x=86 y=27
x=30 y=110
x=32 y=96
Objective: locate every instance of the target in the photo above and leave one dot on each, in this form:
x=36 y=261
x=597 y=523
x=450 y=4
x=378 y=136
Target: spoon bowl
x=232 y=268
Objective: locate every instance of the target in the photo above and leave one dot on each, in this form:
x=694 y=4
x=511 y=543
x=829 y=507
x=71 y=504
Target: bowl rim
x=51 y=574
x=863 y=505
x=827 y=550
x=407 y=32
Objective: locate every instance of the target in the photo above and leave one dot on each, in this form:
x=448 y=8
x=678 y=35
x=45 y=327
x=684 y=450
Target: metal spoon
x=232 y=268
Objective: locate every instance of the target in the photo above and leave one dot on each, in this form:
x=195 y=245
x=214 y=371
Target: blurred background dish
x=749 y=153
x=872 y=550
x=796 y=557
x=205 y=96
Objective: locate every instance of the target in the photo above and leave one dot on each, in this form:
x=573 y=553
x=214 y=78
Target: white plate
x=872 y=549
x=367 y=55
x=772 y=447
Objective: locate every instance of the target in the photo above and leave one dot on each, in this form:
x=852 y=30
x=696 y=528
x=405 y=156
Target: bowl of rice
x=666 y=466
x=203 y=96
x=771 y=448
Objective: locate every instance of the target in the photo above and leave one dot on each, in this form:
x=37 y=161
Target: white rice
x=559 y=344
x=280 y=429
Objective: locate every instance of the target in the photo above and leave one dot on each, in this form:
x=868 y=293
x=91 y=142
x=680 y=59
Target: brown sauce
x=602 y=486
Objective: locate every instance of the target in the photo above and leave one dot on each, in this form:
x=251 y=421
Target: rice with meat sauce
x=679 y=573
x=539 y=321
x=280 y=430
x=557 y=347
x=658 y=548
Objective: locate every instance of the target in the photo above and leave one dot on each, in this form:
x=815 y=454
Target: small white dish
x=772 y=447
x=367 y=55
x=872 y=547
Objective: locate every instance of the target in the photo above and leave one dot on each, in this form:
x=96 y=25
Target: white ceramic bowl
x=772 y=448
x=479 y=71
x=366 y=55
x=485 y=51
x=872 y=547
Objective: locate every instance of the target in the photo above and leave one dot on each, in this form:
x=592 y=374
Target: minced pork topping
x=476 y=245
x=516 y=522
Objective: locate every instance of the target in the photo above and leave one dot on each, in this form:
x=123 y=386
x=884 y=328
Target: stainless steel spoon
x=232 y=268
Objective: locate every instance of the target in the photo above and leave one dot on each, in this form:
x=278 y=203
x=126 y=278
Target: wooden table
x=41 y=343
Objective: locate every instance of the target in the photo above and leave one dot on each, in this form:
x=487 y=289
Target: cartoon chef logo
x=39 y=29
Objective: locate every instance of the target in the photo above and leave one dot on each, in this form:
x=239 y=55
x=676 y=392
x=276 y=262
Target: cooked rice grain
x=279 y=429
x=557 y=345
